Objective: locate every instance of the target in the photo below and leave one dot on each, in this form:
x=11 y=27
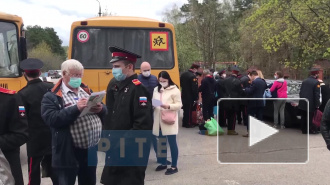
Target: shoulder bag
x=167 y=116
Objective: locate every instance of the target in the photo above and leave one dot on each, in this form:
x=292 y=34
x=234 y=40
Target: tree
x=36 y=35
x=43 y=52
x=187 y=50
x=301 y=27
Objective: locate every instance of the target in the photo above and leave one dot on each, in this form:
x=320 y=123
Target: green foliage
x=44 y=52
x=301 y=24
x=36 y=35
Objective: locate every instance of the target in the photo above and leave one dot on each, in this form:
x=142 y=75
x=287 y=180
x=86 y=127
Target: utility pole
x=99 y=8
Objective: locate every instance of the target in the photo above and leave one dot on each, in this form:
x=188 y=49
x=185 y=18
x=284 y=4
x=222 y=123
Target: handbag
x=317 y=118
x=168 y=116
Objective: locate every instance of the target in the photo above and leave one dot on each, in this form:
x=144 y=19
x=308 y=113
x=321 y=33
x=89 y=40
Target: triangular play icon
x=259 y=131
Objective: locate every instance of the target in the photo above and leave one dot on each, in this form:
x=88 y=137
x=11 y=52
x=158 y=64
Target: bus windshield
x=8 y=50
x=90 y=46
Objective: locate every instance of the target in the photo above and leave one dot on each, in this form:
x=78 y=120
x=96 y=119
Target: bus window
x=94 y=54
x=8 y=50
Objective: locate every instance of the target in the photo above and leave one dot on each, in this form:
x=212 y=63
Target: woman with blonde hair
x=260 y=74
x=166 y=120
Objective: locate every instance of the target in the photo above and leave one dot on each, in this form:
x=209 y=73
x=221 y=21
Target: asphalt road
x=198 y=164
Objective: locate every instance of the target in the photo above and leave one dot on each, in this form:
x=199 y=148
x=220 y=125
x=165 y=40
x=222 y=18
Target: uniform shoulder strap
x=136 y=82
x=7 y=91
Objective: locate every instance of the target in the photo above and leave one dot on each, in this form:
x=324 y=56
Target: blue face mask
x=75 y=82
x=118 y=74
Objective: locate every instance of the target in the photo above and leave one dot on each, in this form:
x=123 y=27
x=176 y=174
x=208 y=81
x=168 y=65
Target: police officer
x=207 y=89
x=310 y=89
x=233 y=89
x=221 y=90
x=13 y=130
x=189 y=94
x=130 y=109
x=39 y=145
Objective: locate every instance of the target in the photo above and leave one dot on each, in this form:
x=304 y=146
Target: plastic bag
x=213 y=127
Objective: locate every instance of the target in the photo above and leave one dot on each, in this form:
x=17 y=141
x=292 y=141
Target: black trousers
x=256 y=112
x=207 y=109
x=13 y=157
x=34 y=169
x=221 y=116
x=304 y=123
x=187 y=114
x=231 y=116
x=86 y=174
x=242 y=112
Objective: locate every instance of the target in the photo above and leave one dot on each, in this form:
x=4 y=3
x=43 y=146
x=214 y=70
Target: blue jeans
x=162 y=149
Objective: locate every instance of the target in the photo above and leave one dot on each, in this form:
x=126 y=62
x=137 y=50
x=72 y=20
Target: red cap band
x=126 y=55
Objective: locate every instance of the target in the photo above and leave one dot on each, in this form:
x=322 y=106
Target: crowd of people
x=63 y=142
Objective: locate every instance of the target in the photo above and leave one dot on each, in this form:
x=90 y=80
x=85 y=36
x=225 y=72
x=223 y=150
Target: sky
x=59 y=14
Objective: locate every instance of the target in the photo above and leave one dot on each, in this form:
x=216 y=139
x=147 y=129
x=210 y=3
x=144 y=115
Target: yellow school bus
x=153 y=40
x=12 y=51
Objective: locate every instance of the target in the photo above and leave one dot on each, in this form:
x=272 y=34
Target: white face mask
x=163 y=84
x=146 y=73
x=275 y=76
x=224 y=75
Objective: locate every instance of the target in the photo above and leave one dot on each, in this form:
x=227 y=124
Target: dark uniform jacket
x=208 y=89
x=39 y=143
x=13 y=130
x=233 y=90
x=246 y=83
x=189 y=86
x=310 y=89
x=256 y=90
x=325 y=125
x=59 y=119
x=126 y=113
x=220 y=88
x=325 y=92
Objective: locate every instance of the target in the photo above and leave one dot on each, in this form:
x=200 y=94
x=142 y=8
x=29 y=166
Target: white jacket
x=171 y=96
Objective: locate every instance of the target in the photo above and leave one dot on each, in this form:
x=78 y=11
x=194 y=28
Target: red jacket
x=281 y=86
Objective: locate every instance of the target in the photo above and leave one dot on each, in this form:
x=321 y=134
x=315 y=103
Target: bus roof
x=117 y=20
x=10 y=17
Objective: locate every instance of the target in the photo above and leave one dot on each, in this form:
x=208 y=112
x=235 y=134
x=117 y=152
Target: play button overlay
x=259 y=131
x=265 y=144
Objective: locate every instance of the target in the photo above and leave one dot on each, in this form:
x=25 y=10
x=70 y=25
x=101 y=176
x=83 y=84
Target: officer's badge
x=195 y=79
x=21 y=110
x=143 y=101
x=126 y=89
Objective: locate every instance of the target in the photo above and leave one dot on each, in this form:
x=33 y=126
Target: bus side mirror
x=22 y=44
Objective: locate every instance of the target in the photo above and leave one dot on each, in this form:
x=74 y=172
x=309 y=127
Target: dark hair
x=279 y=74
x=33 y=74
x=127 y=62
x=254 y=73
x=165 y=75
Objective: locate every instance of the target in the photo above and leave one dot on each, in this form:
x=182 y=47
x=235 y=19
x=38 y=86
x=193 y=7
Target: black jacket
x=207 y=88
x=13 y=130
x=40 y=138
x=189 y=87
x=310 y=89
x=220 y=88
x=325 y=92
x=256 y=90
x=325 y=125
x=59 y=120
x=233 y=90
x=126 y=113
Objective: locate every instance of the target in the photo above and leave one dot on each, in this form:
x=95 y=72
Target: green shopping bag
x=212 y=127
